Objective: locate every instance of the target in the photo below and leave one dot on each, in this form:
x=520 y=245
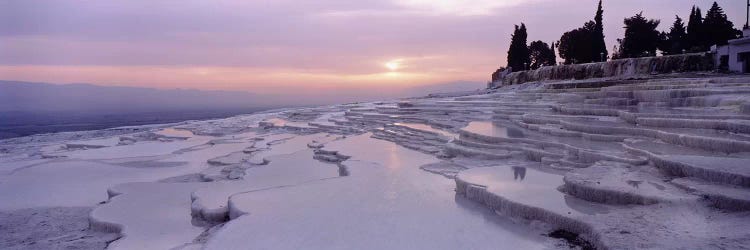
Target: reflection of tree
x=343 y=171
x=519 y=173
x=514 y=132
x=635 y=184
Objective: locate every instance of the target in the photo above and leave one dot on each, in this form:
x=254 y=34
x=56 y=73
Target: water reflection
x=343 y=171
x=519 y=173
x=280 y=122
x=584 y=207
x=425 y=127
x=493 y=130
x=541 y=190
x=177 y=133
x=657 y=186
x=277 y=122
x=386 y=188
x=634 y=184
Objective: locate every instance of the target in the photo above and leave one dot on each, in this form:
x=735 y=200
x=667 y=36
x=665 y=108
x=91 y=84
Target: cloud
x=263 y=81
x=295 y=44
x=460 y=7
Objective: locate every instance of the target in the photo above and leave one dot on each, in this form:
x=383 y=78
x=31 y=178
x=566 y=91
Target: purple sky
x=278 y=46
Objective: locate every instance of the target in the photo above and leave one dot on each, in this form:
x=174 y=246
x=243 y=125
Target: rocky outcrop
x=621 y=68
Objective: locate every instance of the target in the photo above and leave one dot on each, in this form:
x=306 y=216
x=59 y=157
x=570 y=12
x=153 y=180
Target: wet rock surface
x=50 y=228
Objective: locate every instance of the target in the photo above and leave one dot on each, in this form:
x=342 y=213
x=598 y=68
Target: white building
x=735 y=56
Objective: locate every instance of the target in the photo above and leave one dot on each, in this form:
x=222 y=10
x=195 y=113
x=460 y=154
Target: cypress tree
x=512 y=61
x=695 y=37
x=598 y=46
x=518 y=53
x=524 y=52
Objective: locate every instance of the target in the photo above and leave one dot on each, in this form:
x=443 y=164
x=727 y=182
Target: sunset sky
x=282 y=46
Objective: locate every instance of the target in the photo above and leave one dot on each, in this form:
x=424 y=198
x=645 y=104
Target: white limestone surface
x=148 y=215
x=386 y=196
x=628 y=164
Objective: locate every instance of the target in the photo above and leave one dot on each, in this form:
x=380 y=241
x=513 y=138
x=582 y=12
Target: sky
x=304 y=47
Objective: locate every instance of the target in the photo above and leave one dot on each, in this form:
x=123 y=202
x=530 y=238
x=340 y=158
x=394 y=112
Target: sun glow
x=393 y=65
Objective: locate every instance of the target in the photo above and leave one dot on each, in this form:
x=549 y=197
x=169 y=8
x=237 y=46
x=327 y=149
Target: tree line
x=586 y=44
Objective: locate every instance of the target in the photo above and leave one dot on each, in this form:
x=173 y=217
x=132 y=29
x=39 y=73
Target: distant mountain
x=31 y=108
x=458 y=86
x=88 y=98
x=44 y=97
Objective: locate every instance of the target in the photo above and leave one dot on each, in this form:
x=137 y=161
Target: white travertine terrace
x=660 y=163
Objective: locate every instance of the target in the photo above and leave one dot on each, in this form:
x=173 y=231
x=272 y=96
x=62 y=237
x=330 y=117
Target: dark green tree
x=518 y=54
x=695 y=38
x=675 y=41
x=598 y=46
x=641 y=37
x=541 y=54
x=575 y=45
x=585 y=44
x=717 y=28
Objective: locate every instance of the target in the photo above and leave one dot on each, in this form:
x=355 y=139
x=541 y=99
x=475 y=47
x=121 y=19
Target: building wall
x=733 y=51
x=735 y=65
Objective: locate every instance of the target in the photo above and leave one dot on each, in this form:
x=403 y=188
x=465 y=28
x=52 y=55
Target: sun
x=393 y=65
